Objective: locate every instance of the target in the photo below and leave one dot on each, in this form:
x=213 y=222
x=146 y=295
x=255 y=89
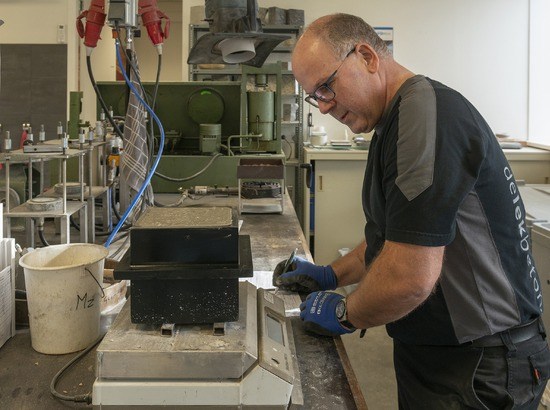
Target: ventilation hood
x=235 y=37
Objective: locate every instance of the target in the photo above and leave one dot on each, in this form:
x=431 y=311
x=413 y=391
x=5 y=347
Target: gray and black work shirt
x=436 y=176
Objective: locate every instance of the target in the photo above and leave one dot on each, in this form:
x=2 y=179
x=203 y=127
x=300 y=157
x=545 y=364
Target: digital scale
x=246 y=362
x=250 y=366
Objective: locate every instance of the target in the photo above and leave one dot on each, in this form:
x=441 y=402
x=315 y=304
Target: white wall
x=173 y=62
x=478 y=47
x=37 y=22
x=539 y=67
x=32 y=21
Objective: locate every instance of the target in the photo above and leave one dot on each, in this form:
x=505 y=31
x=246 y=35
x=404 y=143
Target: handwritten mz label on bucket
x=83 y=302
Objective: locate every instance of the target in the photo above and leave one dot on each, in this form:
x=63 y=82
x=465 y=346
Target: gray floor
x=372 y=360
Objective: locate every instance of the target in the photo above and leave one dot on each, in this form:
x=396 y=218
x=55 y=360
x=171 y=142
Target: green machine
x=210 y=125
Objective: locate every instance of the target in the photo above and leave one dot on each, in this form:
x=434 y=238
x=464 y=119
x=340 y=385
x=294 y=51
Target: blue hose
x=157 y=160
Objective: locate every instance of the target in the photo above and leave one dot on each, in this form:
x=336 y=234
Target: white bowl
x=318 y=138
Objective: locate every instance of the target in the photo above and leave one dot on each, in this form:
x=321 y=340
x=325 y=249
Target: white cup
x=318 y=138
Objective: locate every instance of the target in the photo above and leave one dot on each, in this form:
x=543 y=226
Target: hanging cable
x=157 y=160
x=124 y=49
x=151 y=141
x=41 y=235
x=73 y=223
x=120 y=249
x=101 y=100
x=158 y=174
x=155 y=93
x=150 y=133
x=157 y=79
x=289 y=146
x=183 y=197
x=113 y=204
x=152 y=104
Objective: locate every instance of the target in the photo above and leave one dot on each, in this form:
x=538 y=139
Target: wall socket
x=61 y=34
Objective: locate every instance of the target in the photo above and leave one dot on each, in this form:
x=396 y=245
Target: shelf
x=285 y=28
x=290 y=122
x=24 y=211
x=227 y=71
x=222 y=71
x=96 y=192
x=74 y=144
x=20 y=156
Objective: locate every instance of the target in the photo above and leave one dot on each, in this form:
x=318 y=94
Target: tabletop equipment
x=191 y=334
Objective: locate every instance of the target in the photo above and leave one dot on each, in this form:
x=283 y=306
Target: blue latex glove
x=304 y=276
x=318 y=312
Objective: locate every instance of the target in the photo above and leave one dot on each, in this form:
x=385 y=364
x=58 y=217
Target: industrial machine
x=210 y=125
x=250 y=365
x=191 y=334
x=235 y=36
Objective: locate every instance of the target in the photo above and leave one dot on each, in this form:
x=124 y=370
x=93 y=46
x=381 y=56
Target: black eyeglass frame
x=315 y=96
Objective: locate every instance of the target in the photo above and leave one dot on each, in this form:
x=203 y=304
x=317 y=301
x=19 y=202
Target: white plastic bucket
x=64 y=292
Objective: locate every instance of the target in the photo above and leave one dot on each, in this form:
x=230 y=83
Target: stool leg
x=65 y=229
x=84 y=223
x=91 y=219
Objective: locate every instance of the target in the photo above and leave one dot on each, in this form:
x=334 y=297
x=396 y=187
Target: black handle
x=307 y=167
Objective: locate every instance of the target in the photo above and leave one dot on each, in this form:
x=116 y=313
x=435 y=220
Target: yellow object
x=115 y=158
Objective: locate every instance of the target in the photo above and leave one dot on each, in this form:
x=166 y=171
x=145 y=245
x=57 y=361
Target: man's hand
x=304 y=276
x=318 y=312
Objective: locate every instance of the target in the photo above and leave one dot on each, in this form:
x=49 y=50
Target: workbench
x=327 y=379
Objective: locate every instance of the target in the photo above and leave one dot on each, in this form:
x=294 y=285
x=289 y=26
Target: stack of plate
x=73 y=188
x=45 y=204
x=340 y=143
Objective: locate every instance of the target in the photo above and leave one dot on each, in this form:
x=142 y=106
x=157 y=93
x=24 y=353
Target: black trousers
x=467 y=377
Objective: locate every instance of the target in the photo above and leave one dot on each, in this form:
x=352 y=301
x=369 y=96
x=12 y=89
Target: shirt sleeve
x=432 y=158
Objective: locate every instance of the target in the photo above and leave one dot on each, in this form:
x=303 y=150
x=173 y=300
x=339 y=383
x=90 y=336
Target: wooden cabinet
x=335 y=205
x=529 y=164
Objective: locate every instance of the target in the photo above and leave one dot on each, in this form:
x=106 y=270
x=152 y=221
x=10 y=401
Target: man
x=446 y=264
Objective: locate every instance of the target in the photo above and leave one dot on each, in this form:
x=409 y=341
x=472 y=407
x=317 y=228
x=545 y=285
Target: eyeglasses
x=324 y=92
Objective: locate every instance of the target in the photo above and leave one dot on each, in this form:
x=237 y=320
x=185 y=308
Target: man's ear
x=369 y=56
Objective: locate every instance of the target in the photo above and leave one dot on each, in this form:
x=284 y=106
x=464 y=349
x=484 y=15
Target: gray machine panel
x=139 y=352
x=275 y=336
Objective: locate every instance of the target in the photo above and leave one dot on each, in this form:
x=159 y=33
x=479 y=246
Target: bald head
x=347 y=70
x=341 y=32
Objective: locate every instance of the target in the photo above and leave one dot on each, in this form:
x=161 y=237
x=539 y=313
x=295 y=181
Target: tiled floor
x=372 y=360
